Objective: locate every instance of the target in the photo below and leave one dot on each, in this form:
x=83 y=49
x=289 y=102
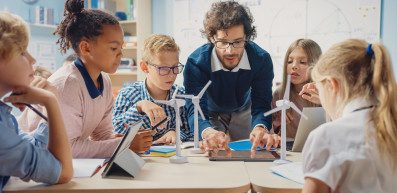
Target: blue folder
x=246 y=145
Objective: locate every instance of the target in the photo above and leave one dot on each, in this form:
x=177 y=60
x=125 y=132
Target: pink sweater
x=88 y=121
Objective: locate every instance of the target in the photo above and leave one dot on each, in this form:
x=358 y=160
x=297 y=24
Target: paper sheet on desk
x=184 y=145
x=292 y=171
x=85 y=168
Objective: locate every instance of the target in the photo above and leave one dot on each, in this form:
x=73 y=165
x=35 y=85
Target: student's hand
x=310 y=93
x=259 y=137
x=277 y=121
x=117 y=135
x=142 y=141
x=153 y=111
x=42 y=83
x=22 y=95
x=213 y=139
x=168 y=138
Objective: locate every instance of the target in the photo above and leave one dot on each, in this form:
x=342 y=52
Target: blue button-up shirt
x=25 y=156
x=125 y=111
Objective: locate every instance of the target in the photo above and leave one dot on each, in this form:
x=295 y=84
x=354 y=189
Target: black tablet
x=260 y=156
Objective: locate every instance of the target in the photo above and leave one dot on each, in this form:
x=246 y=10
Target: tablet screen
x=259 y=156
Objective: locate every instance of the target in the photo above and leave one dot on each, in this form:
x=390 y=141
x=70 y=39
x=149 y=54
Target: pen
x=37 y=112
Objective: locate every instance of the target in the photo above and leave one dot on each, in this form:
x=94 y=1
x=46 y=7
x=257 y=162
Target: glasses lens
x=239 y=44
x=164 y=71
x=179 y=69
x=222 y=44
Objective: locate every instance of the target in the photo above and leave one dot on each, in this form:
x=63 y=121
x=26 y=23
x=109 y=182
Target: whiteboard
x=280 y=22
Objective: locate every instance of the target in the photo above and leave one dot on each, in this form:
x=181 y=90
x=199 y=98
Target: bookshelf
x=135 y=32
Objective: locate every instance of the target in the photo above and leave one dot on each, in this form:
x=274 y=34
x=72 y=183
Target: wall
x=162 y=22
x=389 y=29
x=39 y=34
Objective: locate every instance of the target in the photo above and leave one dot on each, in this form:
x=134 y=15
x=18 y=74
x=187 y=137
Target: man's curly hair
x=224 y=15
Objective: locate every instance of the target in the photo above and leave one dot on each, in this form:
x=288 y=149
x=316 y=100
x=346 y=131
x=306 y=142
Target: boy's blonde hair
x=157 y=43
x=361 y=73
x=14 y=35
x=313 y=52
x=41 y=71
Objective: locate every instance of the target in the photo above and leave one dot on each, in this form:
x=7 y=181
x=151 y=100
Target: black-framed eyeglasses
x=166 y=70
x=224 y=44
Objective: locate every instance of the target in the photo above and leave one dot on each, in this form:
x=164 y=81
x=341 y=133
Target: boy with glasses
x=160 y=62
x=241 y=73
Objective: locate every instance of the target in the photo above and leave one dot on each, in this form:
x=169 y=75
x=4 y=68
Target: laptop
x=316 y=117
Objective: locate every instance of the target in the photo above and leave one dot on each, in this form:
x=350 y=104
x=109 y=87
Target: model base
x=196 y=151
x=281 y=162
x=178 y=159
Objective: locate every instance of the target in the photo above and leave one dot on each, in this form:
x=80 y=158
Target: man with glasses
x=241 y=73
x=160 y=62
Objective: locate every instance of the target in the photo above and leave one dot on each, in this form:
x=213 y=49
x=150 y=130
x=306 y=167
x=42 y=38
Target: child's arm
x=313 y=185
x=58 y=143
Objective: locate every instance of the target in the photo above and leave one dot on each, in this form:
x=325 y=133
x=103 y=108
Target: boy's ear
x=143 y=65
x=84 y=47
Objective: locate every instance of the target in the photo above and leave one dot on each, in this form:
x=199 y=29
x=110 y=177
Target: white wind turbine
x=196 y=103
x=176 y=104
x=283 y=105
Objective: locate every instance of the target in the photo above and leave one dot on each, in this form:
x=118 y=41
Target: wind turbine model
x=196 y=103
x=283 y=105
x=176 y=104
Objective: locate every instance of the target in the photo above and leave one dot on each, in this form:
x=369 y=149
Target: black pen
x=161 y=122
x=37 y=112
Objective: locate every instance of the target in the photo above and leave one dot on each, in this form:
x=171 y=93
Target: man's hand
x=260 y=136
x=215 y=140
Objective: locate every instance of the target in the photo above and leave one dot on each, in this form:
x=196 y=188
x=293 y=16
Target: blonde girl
x=357 y=151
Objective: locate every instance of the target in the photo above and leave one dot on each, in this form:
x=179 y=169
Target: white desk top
x=263 y=180
x=157 y=175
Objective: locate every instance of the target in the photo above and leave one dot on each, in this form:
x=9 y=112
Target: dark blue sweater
x=230 y=91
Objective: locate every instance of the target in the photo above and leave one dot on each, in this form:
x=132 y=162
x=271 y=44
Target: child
x=161 y=65
x=42 y=72
x=45 y=156
x=85 y=92
x=357 y=151
x=301 y=55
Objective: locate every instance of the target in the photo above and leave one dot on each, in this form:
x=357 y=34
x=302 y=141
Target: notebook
x=316 y=118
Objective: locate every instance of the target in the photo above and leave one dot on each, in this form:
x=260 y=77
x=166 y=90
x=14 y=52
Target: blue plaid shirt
x=125 y=111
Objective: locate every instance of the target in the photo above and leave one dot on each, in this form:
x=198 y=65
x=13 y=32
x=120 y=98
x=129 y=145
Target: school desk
x=263 y=180
x=157 y=175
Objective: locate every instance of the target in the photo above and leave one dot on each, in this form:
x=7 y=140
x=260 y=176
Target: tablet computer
x=260 y=156
x=316 y=118
x=124 y=144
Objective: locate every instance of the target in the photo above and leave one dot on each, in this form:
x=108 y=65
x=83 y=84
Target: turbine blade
x=175 y=91
x=287 y=88
x=201 y=112
x=185 y=96
x=272 y=111
x=163 y=102
x=297 y=110
x=204 y=89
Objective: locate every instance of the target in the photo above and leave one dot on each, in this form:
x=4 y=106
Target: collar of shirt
x=216 y=64
x=146 y=95
x=89 y=83
x=356 y=104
